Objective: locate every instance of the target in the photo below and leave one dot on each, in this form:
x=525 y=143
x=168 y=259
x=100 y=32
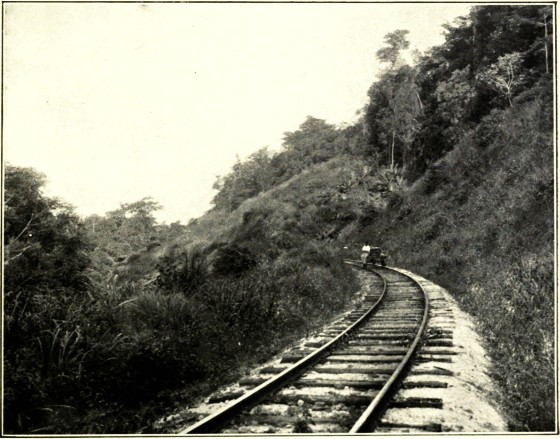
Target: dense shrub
x=182 y=272
x=369 y=215
x=233 y=260
x=488 y=128
x=113 y=361
x=522 y=338
x=435 y=178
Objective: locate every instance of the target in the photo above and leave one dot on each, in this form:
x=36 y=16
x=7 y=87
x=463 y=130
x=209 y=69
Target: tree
x=505 y=76
x=546 y=14
x=314 y=142
x=455 y=97
x=538 y=17
x=44 y=241
x=402 y=100
x=46 y=262
x=455 y=94
x=395 y=43
x=246 y=180
x=125 y=230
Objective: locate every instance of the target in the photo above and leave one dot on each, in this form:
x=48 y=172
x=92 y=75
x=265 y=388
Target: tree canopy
x=44 y=242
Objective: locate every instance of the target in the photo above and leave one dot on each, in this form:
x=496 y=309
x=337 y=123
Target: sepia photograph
x=279 y=218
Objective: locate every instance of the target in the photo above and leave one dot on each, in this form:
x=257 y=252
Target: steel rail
x=365 y=420
x=214 y=421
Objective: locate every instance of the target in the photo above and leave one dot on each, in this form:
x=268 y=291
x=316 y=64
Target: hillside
x=480 y=222
x=450 y=169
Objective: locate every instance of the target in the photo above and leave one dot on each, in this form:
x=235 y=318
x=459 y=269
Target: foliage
x=505 y=76
x=395 y=104
x=314 y=142
x=455 y=97
x=233 y=260
x=45 y=244
x=125 y=230
x=488 y=57
x=247 y=179
x=523 y=296
x=183 y=272
x=108 y=355
x=395 y=43
x=483 y=219
x=45 y=283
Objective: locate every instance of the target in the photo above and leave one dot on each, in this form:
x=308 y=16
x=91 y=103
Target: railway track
x=338 y=382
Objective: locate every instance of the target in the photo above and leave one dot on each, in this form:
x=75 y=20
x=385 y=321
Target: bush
x=233 y=260
x=369 y=215
x=489 y=128
x=184 y=272
x=523 y=337
x=435 y=178
x=241 y=305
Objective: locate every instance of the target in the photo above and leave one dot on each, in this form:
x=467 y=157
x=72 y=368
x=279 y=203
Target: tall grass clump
x=183 y=272
x=252 y=316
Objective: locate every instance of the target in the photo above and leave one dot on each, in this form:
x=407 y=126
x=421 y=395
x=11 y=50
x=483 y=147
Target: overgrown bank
x=481 y=223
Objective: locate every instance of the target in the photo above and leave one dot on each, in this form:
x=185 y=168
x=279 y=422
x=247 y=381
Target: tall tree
x=402 y=99
x=395 y=43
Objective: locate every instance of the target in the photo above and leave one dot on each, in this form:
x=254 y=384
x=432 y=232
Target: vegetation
x=481 y=224
x=112 y=320
x=91 y=353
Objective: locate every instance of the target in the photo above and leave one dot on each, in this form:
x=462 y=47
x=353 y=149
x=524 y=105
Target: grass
x=523 y=356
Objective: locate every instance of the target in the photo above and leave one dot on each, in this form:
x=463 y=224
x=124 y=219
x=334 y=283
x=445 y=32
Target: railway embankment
x=451 y=371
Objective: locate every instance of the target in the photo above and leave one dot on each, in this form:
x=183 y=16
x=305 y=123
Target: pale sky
x=116 y=102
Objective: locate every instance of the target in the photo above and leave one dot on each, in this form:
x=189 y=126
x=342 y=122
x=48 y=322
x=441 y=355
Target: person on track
x=365 y=253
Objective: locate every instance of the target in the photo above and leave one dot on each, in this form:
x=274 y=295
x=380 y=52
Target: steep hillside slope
x=316 y=204
x=481 y=223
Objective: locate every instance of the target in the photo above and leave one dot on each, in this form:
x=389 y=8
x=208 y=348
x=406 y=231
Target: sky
x=116 y=102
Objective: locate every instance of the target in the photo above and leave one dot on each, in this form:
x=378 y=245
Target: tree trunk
x=393 y=150
x=545 y=42
x=474 y=54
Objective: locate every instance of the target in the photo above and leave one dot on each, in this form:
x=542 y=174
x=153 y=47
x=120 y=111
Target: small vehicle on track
x=376 y=256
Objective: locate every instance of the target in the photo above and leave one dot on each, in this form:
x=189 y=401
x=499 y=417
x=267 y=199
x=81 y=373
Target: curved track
x=342 y=384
